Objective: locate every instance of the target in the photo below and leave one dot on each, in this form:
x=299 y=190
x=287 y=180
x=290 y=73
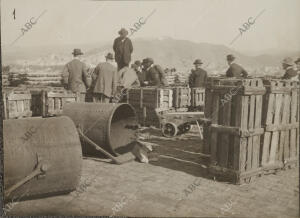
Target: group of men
x=106 y=78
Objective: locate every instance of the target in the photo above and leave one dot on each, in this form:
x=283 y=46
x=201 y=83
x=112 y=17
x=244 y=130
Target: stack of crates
x=147 y=100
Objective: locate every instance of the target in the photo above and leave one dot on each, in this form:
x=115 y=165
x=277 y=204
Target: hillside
x=166 y=52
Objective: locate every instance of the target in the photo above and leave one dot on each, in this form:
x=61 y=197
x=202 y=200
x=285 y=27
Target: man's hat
x=77 y=51
x=138 y=63
x=109 y=56
x=123 y=31
x=297 y=61
x=198 y=61
x=288 y=61
x=230 y=57
x=150 y=60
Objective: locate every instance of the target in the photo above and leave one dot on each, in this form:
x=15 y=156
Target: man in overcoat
x=106 y=80
x=234 y=69
x=123 y=49
x=198 y=76
x=75 y=76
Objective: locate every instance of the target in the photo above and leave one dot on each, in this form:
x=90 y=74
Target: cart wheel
x=169 y=130
x=186 y=127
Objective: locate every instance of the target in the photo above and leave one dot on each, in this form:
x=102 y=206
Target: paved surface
x=175 y=185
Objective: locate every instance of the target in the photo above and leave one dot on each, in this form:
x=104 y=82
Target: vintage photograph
x=150 y=108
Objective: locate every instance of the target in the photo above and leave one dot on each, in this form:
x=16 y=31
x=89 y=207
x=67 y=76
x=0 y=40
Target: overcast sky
x=211 y=21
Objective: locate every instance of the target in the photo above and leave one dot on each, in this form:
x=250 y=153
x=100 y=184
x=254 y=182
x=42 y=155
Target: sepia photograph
x=150 y=108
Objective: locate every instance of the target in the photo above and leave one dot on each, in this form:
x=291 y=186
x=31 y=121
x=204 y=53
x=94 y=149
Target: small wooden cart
x=175 y=123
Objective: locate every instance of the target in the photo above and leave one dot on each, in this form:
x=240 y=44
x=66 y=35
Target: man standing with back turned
x=234 y=69
x=123 y=48
x=105 y=77
x=75 y=75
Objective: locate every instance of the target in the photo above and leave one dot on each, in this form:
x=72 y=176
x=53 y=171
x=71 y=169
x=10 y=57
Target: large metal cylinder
x=50 y=146
x=112 y=126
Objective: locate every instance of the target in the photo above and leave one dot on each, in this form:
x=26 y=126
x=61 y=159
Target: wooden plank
x=286 y=102
x=268 y=120
x=293 y=138
x=286 y=146
x=275 y=135
x=19 y=97
x=208 y=104
x=250 y=127
x=237 y=101
x=225 y=138
x=256 y=139
x=5 y=106
x=244 y=126
x=214 y=135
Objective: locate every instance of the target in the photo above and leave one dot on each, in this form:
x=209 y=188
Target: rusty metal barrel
x=42 y=157
x=111 y=126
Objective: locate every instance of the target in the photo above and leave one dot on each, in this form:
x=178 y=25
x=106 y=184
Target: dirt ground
x=175 y=185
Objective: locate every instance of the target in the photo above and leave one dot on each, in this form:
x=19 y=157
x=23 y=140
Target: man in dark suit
x=123 y=48
x=155 y=75
x=290 y=73
x=137 y=66
x=75 y=75
x=198 y=76
x=234 y=69
x=106 y=79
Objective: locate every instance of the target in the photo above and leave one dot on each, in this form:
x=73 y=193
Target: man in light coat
x=106 y=79
x=75 y=76
x=288 y=66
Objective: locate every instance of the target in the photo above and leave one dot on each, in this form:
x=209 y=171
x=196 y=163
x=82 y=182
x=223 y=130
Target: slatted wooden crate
x=181 y=97
x=146 y=99
x=16 y=103
x=234 y=107
x=54 y=100
x=198 y=98
x=280 y=142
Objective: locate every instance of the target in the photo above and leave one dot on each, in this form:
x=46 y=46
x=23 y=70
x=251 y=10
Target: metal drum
x=111 y=126
x=42 y=156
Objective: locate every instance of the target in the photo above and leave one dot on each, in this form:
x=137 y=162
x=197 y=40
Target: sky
x=210 y=21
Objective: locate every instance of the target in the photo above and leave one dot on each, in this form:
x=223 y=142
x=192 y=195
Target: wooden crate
x=181 y=97
x=54 y=100
x=198 y=98
x=146 y=99
x=280 y=142
x=234 y=107
x=16 y=103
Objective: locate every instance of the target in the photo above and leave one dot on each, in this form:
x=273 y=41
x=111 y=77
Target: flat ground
x=163 y=188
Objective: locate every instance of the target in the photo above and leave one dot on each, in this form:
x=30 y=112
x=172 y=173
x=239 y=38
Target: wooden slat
x=286 y=103
x=250 y=127
x=214 y=135
x=244 y=126
x=275 y=135
x=267 y=136
x=225 y=138
x=293 y=135
x=286 y=146
x=256 y=139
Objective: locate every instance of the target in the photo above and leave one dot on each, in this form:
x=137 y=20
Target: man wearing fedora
x=198 y=76
x=297 y=62
x=123 y=48
x=155 y=75
x=75 y=76
x=234 y=69
x=105 y=78
x=288 y=66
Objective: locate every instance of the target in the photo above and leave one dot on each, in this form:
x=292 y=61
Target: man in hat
x=106 y=79
x=297 y=62
x=234 y=69
x=137 y=66
x=75 y=76
x=198 y=76
x=155 y=75
x=290 y=73
x=123 y=48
